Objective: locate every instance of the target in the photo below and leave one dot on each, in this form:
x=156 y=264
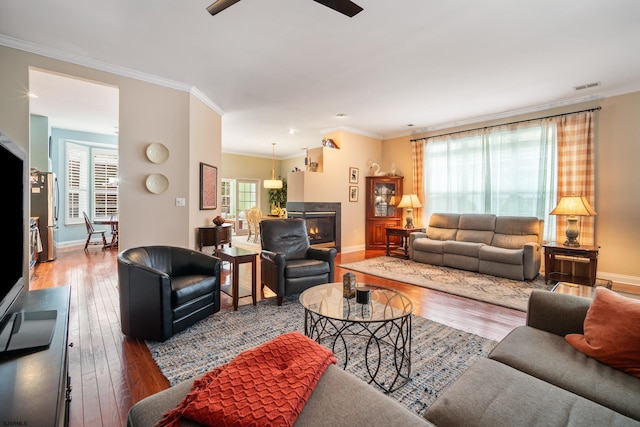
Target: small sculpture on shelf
x=375 y=170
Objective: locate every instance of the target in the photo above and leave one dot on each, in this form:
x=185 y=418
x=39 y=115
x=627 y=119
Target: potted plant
x=278 y=199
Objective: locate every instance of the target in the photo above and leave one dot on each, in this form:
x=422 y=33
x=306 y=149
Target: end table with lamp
x=571 y=261
x=573 y=207
x=403 y=233
x=408 y=202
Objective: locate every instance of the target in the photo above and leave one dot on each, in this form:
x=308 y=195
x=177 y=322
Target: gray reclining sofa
x=505 y=246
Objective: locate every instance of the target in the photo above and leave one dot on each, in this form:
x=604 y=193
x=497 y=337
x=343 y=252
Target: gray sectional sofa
x=505 y=246
x=533 y=377
x=338 y=400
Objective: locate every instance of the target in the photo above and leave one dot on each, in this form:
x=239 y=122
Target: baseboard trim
x=620 y=278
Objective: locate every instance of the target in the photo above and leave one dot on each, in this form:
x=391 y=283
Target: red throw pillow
x=611 y=331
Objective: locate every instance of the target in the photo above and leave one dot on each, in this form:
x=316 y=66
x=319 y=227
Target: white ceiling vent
x=587 y=86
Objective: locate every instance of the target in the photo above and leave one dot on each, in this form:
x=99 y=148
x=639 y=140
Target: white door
x=237 y=196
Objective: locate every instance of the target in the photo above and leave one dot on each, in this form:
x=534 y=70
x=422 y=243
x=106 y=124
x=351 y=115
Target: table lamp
x=409 y=201
x=573 y=207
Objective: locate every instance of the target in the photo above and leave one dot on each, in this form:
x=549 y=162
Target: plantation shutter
x=77 y=183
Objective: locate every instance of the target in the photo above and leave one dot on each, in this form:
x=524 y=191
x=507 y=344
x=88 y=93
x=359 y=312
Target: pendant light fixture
x=273 y=183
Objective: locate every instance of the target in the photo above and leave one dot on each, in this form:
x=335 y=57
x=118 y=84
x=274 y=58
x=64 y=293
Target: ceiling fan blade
x=345 y=7
x=220 y=5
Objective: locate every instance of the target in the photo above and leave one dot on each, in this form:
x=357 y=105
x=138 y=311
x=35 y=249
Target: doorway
x=239 y=195
x=74 y=135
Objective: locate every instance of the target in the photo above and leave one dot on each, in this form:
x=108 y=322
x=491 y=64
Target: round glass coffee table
x=379 y=329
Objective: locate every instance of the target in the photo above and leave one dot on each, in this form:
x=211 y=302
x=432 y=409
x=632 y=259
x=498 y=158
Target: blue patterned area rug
x=440 y=354
x=481 y=287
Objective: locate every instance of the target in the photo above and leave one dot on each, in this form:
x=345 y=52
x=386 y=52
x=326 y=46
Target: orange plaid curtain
x=417 y=157
x=576 y=169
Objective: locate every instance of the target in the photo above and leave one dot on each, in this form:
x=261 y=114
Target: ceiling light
x=32 y=95
x=273 y=183
x=341 y=115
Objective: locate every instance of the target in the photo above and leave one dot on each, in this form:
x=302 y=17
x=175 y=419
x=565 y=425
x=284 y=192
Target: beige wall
x=205 y=128
x=617 y=179
x=329 y=185
x=236 y=166
x=332 y=184
x=148 y=113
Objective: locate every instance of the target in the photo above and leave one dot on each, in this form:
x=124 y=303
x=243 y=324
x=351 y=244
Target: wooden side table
x=236 y=256
x=215 y=235
x=571 y=264
x=403 y=233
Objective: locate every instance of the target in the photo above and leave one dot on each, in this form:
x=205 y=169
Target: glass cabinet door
x=385 y=199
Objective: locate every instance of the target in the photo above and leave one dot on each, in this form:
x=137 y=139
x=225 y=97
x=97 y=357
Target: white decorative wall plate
x=157 y=152
x=157 y=183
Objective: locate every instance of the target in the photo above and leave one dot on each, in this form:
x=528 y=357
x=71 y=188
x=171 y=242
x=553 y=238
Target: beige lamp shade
x=273 y=184
x=573 y=207
x=409 y=201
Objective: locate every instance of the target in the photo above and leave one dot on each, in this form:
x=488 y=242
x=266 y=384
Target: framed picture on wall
x=353 y=193
x=208 y=186
x=353 y=175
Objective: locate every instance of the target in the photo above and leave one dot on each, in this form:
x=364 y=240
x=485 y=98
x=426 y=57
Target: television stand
x=35 y=389
x=28 y=331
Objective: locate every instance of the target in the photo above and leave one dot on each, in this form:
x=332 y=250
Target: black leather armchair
x=164 y=290
x=288 y=264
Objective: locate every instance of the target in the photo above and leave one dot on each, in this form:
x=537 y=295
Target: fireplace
x=322 y=220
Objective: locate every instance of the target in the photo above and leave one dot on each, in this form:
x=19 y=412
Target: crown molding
x=109 y=68
x=352 y=130
x=205 y=99
x=511 y=113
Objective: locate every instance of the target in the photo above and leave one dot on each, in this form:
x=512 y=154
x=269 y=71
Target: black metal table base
x=387 y=348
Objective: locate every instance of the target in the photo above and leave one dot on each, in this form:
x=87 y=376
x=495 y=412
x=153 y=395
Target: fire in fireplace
x=322 y=219
x=321 y=227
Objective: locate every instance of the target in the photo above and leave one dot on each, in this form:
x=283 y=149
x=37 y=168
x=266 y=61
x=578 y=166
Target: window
x=105 y=183
x=91 y=182
x=225 y=196
x=505 y=170
x=77 y=183
x=247 y=195
x=237 y=196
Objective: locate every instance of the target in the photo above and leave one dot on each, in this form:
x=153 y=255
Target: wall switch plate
x=180 y=201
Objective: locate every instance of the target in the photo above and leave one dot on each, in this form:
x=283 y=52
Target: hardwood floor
x=110 y=372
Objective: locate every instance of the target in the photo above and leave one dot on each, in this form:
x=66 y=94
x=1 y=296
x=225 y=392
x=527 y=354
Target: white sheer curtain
x=504 y=170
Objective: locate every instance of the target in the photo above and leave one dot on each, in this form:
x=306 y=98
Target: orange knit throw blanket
x=265 y=386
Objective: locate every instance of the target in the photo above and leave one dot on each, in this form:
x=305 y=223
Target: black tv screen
x=14 y=175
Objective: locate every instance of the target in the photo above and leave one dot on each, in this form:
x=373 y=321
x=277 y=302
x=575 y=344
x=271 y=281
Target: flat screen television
x=18 y=330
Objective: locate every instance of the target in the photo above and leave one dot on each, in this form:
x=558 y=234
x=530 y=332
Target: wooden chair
x=114 y=231
x=91 y=233
x=254 y=216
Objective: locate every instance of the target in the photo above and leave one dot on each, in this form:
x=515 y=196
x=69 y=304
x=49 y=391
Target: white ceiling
x=275 y=65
